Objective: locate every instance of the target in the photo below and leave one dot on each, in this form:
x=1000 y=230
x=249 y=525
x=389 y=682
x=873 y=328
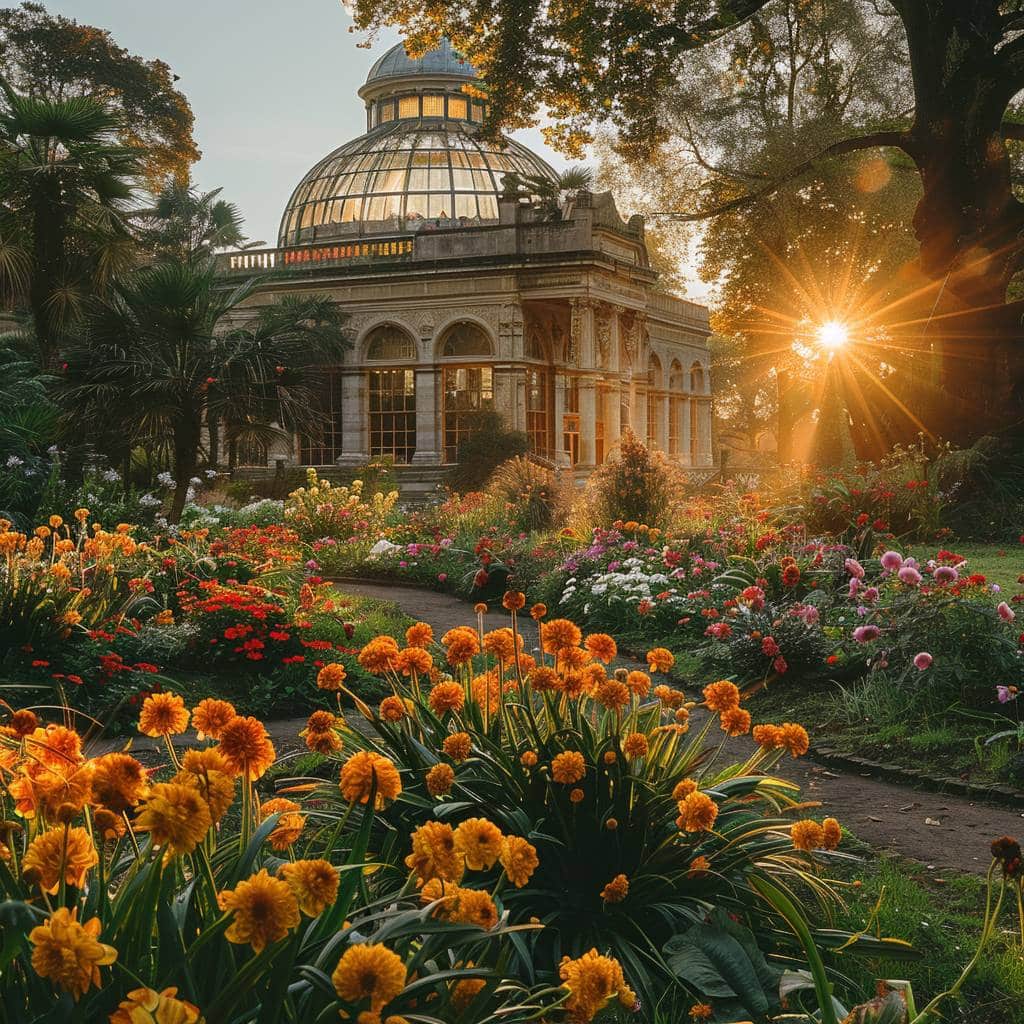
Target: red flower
x=39 y=663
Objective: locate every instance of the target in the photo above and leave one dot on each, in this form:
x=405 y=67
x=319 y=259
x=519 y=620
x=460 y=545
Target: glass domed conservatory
x=421 y=158
x=466 y=295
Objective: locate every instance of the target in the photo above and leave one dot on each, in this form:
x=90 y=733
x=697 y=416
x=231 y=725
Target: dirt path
x=889 y=817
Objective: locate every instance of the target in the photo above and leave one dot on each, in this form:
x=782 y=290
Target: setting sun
x=833 y=335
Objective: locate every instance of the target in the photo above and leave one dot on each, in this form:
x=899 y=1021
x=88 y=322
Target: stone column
x=588 y=422
x=429 y=447
x=706 y=456
x=561 y=456
x=355 y=448
x=684 y=431
x=664 y=411
x=619 y=392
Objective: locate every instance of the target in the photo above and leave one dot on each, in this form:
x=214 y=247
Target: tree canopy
x=47 y=55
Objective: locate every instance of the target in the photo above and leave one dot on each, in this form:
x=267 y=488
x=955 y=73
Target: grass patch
x=941 y=919
x=998 y=563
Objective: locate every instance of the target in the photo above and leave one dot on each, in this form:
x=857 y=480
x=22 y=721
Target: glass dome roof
x=442 y=61
x=402 y=175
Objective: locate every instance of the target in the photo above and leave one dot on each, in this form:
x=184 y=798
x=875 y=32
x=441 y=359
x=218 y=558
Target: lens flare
x=833 y=335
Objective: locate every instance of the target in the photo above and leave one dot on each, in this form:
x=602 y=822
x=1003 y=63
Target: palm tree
x=65 y=182
x=183 y=224
x=157 y=361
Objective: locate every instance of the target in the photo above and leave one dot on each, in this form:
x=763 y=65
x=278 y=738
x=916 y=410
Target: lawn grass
x=940 y=917
x=998 y=563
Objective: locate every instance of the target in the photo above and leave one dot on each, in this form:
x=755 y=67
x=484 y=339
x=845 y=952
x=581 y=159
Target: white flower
x=196 y=482
x=13 y=462
x=150 y=501
x=52 y=450
x=165 y=479
x=111 y=476
x=210 y=474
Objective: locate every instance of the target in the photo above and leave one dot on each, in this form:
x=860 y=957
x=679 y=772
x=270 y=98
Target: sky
x=272 y=84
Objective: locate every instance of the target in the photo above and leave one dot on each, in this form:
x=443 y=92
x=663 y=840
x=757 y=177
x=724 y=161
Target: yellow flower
x=616 y=890
x=519 y=859
x=69 y=953
x=464 y=992
x=210 y=716
x=118 y=782
x=176 y=817
x=145 y=1006
x=314 y=882
x=474 y=906
x=289 y=826
x=447 y=697
x=264 y=910
x=57 y=853
x=479 y=841
x=434 y=854
x=592 y=981
x=807 y=835
x=635 y=745
x=697 y=812
x=371 y=972
x=207 y=772
x=246 y=747
x=364 y=769
x=568 y=767
x=163 y=714
x=440 y=779
x=458 y=746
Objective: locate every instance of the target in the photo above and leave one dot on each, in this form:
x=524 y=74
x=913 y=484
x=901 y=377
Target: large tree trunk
x=186 y=448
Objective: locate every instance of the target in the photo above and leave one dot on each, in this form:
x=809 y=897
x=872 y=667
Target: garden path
x=944 y=831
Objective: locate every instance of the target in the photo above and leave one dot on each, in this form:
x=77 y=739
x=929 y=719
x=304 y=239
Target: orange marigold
x=807 y=835
x=601 y=646
x=698 y=867
x=264 y=909
x=207 y=772
x=434 y=853
x=445 y=697
x=635 y=745
x=118 y=782
x=698 y=812
x=735 y=721
x=513 y=600
x=331 y=676
x=163 y=714
x=768 y=737
x=393 y=709
x=176 y=817
x=592 y=981
x=314 y=882
x=474 y=906
x=660 y=659
x=440 y=779
x=68 y=953
x=420 y=634
x=568 y=767
x=24 y=722
x=458 y=746
x=369 y=972
x=683 y=789
x=558 y=634
x=613 y=695
x=246 y=747
x=289 y=826
x=462 y=645
x=479 y=842
x=538 y=611
x=616 y=890
x=701 y=1011
x=210 y=716
x=722 y=695
x=638 y=683
x=502 y=644
x=528 y=758
x=544 y=678
x=147 y=1006
x=519 y=859
x=59 y=853
x=669 y=697
x=795 y=739
x=379 y=655
x=365 y=769
x=414 y=660
x=832 y=834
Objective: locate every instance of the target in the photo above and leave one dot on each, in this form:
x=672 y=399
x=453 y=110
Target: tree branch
x=731 y=14
x=875 y=140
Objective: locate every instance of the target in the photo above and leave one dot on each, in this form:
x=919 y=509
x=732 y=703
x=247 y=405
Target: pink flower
x=922 y=661
x=865 y=634
x=854 y=568
x=946 y=574
x=891 y=561
x=909 y=575
x=442 y=576
x=854 y=586
x=1006 y=613
x=1005 y=695
x=779 y=664
x=870 y=595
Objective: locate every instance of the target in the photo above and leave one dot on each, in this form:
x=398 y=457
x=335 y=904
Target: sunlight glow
x=833 y=335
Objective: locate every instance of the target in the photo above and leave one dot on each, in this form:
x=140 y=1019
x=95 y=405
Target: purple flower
x=909 y=575
x=854 y=568
x=403 y=564
x=1006 y=613
x=312 y=565
x=870 y=595
x=614 y=565
x=865 y=634
x=922 y=661
x=946 y=574
x=996 y=588
x=1004 y=694
x=862 y=611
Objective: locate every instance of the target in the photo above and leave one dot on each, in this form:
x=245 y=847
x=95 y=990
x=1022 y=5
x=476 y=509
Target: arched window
x=696 y=388
x=465 y=339
x=538 y=400
x=468 y=392
x=676 y=387
x=324 y=446
x=534 y=347
x=391 y=394
x=388 y=343
x=654 y=399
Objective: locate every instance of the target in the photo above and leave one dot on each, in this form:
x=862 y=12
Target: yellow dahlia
x=69 y=953
x=479 y=841
x=163 y=714
x=263 y=909
x=362 y=771
x=369 y=972
x=146 y=1006
x=592 y=981
x=246 y=747
x=568 y=767
x=210 y=716
x=289 y=826
x=434 y=854
x=66 y=853
x=176 y=817
x=519 y=859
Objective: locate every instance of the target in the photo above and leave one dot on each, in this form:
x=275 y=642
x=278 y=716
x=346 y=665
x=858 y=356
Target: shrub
x=529 y=492
x=488 y=444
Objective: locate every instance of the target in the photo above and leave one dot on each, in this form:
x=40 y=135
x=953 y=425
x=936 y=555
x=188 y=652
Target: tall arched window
x=676 y=386
x=468 y=388
x=539 y=394
x=696 y=388
x=654 y=399
x=324 y=446
x=391 y=393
